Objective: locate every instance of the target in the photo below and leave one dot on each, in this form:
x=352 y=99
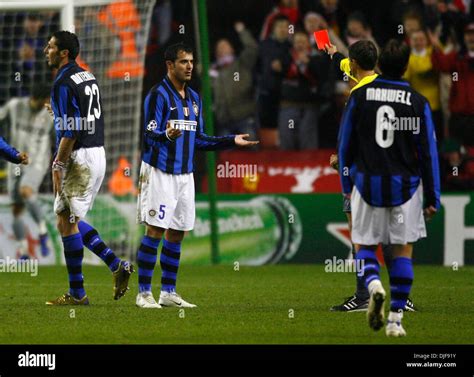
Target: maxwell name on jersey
x=388 y=95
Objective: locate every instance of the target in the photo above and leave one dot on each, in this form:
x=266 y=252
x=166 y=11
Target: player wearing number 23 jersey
x=78 y=167
x=75 y=100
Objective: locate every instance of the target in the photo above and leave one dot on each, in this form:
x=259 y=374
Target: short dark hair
x=67 y=41
x=364 y=53
x=171 y=52
x=40 y=90
x=393 y=58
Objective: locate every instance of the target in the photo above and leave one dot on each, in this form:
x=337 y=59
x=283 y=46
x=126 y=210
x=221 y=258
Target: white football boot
x=375 y=312
x=146 y=300
x=394 y=324
x=172 y=299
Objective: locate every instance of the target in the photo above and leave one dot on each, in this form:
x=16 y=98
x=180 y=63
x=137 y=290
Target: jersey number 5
x=383 y=126
x=91 y=92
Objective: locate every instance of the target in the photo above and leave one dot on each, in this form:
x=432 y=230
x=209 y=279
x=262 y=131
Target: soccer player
x=31 y=128
x=11 y=154
x=79 y=166
x=387 y=161
x=173 y=130
x=360 y=68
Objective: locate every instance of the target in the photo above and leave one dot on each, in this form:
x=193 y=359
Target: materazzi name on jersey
x=80 y=77
x=183 y=125
x=388 y=95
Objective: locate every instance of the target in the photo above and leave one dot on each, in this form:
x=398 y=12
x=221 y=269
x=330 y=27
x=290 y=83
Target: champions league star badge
x=152 y=212
x=195 y=108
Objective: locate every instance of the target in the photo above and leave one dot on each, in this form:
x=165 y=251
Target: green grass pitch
x=284 y=304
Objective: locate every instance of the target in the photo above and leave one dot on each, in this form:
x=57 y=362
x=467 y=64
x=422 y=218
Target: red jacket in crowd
x=461 y=98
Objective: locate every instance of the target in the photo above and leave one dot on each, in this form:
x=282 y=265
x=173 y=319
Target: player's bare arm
x=241 y=142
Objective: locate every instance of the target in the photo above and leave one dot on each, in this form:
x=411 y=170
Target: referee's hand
x=172 y=133
x=330 y=49
x=241 y=142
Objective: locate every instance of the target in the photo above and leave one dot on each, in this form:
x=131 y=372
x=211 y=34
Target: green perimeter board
x=315 y=212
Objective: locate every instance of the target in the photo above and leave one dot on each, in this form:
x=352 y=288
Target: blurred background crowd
x=269 y=79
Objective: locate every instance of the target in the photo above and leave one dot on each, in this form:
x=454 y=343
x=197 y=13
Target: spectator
x=430 y=14
x=287 y=8
x=273 y=61
x=234 y=101
x=307 y=84
x=457 y=167
x=357 y=29
x=333 y=14
x=423 y=78
x=461 y=101
x=453 y=19
x=315 y=22
x=412 y=21
x=29 y=50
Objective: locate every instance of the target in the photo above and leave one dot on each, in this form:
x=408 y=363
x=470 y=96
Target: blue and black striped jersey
x=75 y=100
x=387 y=143
x=164 y=104
x=8 y=152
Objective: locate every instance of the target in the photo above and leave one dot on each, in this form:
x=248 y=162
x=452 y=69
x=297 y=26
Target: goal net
x=113 y=37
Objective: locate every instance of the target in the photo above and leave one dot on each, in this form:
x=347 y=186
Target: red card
x=322 y=38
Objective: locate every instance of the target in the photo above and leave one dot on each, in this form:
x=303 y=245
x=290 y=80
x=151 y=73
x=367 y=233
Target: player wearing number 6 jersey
x=79 y=166
x=173 y=130
x=387 y=160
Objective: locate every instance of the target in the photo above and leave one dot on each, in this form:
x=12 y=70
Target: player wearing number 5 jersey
x=79 y=166
x=387 y=160
x=173 y=130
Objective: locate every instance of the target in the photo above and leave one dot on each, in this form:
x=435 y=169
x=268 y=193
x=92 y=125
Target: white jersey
x=30 y=132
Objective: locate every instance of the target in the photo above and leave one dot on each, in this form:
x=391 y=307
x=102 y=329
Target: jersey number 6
x=91 y=92
x=384 y=117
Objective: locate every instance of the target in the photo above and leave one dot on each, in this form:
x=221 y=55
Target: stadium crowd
x=290 y=95
x=270 y=80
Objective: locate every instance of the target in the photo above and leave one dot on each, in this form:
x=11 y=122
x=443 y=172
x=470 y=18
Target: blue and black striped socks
x=94 y=243
x=401 y=280
x=73 y=254
x=169 y=262
x=370 y=266
x=146 y=260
